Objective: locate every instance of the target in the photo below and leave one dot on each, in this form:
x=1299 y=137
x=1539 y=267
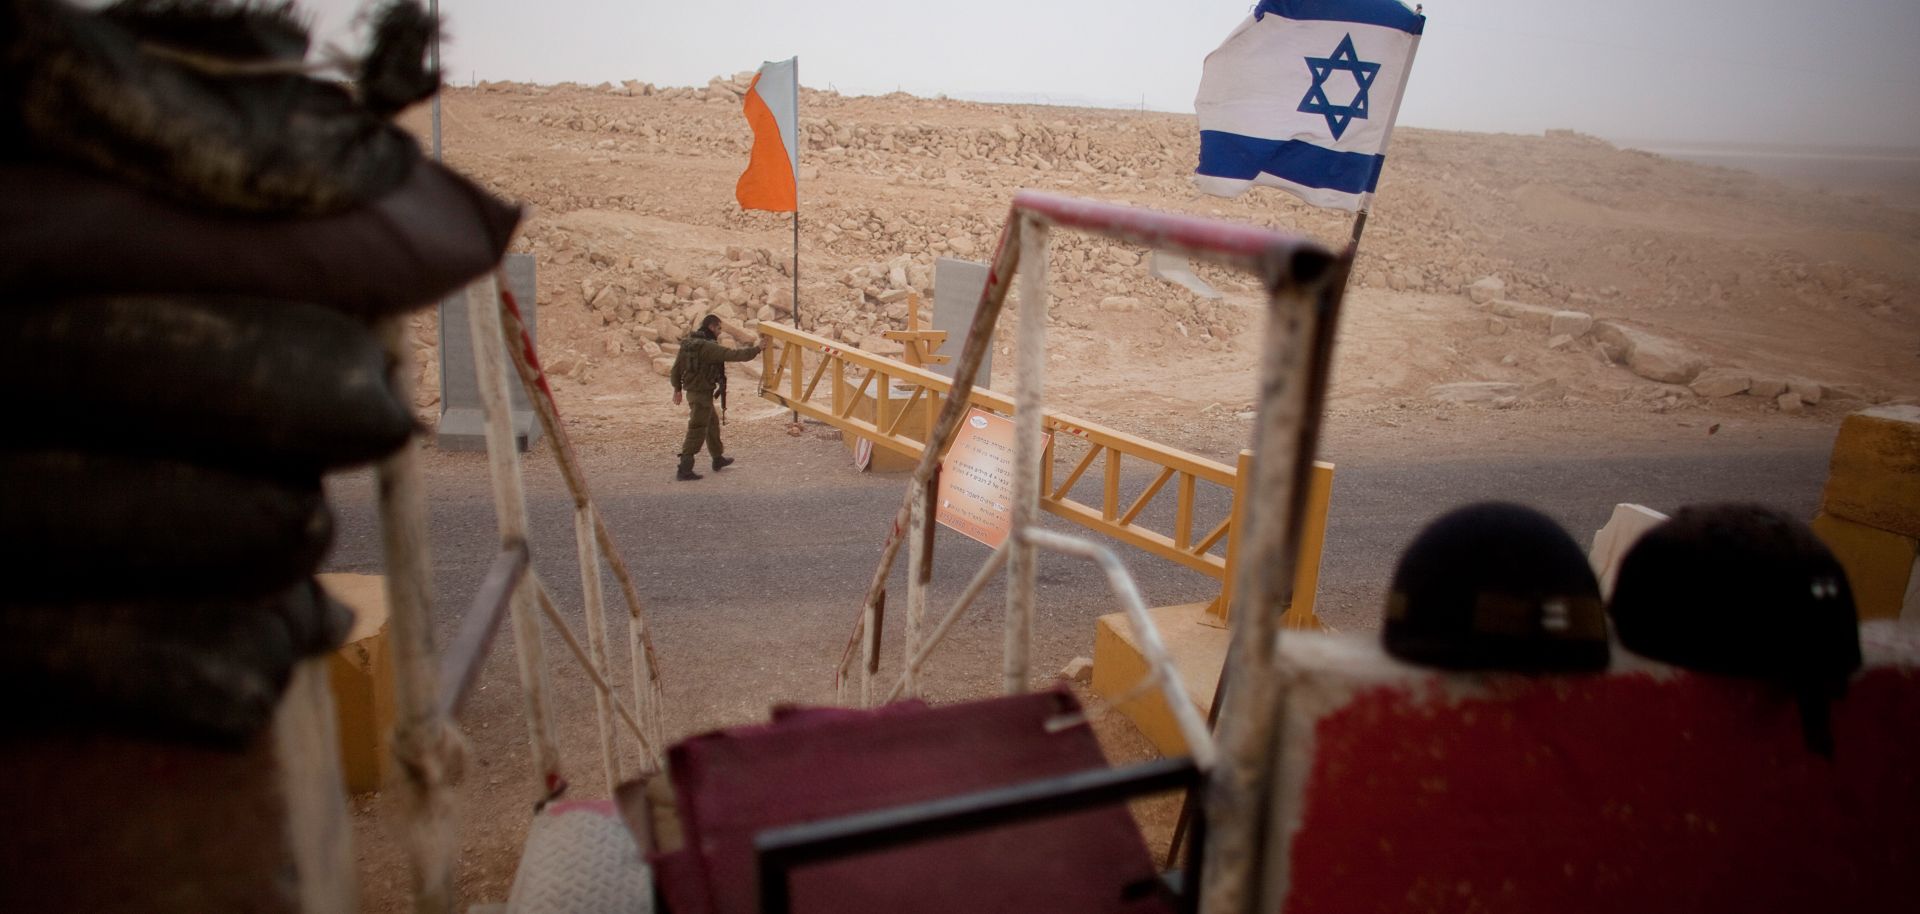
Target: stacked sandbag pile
x=198 y=237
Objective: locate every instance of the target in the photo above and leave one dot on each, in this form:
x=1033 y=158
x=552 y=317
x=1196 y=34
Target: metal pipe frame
x=1031 y=361
x=646 y=668
x=424 y=743
x=510 y=512
x=780 y=850
x=460 y=666
x=1303 y=310
x=1185 y=713
x=1279 y=259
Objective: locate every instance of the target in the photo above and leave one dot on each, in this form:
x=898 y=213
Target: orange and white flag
x=772 y=105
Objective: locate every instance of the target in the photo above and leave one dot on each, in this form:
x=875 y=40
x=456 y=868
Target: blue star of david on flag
x=1316 y=101
x=1277 y=108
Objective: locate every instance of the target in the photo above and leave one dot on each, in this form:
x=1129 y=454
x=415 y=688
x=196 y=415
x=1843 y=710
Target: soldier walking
x=701 y=371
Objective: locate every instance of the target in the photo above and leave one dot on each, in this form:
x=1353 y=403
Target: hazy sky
x=1823 y=72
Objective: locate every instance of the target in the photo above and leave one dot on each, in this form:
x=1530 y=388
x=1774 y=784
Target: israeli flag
x=1302 y=97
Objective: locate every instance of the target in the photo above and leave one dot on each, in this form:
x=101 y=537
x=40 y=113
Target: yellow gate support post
x=1196 y=633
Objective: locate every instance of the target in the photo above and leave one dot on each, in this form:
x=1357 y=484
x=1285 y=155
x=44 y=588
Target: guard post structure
x=1870 y=511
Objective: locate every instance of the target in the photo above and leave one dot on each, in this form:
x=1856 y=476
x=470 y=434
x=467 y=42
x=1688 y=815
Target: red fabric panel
x=1621 y=793
x=812 y=765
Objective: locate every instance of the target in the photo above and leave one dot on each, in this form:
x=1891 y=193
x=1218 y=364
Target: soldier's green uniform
x=700 y=370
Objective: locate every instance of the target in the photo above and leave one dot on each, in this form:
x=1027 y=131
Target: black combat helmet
x=1743 y=590
x=1495 y=586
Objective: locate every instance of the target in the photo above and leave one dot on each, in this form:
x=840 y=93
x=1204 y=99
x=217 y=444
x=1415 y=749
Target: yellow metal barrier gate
x=894 y=405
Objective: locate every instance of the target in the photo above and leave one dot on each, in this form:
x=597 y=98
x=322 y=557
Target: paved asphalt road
x=755 y=586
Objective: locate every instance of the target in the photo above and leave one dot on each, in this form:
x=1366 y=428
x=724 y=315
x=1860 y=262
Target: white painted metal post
x=646 y=680
x=589 y=548
x=510 y=510
x=1300 y=316
x=916 y=587
x=1031 y=357
x=425 y=745
x=306 y=740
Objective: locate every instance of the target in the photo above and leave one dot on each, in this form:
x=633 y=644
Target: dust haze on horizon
x=1639 y=72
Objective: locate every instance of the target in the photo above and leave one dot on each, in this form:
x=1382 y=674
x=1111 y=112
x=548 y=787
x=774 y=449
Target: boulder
x=1789 y=403
x=1655 y=358
x=662 y=365
x=1768 y=387
x=1572 y=323
x=1808 y=391
x=1486 y=289
x=1721 y=382
x=1537 y=317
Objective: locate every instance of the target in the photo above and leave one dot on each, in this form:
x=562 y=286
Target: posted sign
x=975 y=497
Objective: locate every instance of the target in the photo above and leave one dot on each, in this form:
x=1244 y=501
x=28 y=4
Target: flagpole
x=796 y=193
x=433 y=63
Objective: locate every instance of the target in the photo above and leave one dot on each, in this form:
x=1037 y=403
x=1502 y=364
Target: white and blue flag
x=1302 y=97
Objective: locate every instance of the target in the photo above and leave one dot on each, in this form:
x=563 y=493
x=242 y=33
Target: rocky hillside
x=1476 y=240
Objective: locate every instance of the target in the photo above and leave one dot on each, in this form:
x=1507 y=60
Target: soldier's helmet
x=1496 y=586
x=1743 y=590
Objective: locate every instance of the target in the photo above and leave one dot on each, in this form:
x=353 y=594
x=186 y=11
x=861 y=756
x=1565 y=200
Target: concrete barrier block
x=1198 y=646
x=1910 y=606
x=1612 y=542
x=1644 y=788
x=1874 y=478
x=361 y=672
x=1878 y=563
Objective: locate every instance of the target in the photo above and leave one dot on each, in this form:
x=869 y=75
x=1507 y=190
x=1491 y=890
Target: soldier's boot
x=721 y=463
x=686 y=469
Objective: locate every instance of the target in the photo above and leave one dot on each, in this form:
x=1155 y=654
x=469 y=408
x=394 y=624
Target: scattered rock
x=1538 y=317
x=1789 y=403
x=1474 y=391
x=1572 y=323
x=1721 y=382
x=1768 y=387
x=1809 y=392
x=1486 y=289
x=1560 y=341
x=1079 y=669
x=1545 y=391
x=662 y=366
x=1119 y=303
x=1655 y=358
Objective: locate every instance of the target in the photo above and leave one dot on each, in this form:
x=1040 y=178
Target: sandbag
x=204 y=669
x=156 y=96
x=79 y=526
x=229 y=382
x=68 y=233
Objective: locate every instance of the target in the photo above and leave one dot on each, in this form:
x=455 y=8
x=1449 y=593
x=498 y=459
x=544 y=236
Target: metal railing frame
x=1304 y=283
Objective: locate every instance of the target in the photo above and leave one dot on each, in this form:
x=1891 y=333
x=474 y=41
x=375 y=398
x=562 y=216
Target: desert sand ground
x=633 y=223
x=1810 y=300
